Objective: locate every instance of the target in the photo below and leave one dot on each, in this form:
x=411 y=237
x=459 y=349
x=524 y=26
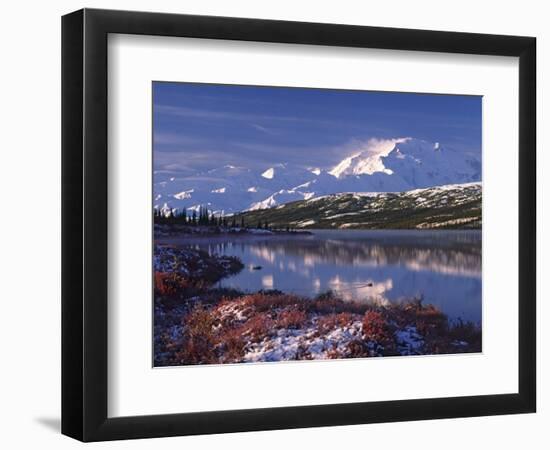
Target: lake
x=442 y=267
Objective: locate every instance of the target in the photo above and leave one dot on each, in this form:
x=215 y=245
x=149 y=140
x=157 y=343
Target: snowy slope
x=449 y=206
x=390 y=166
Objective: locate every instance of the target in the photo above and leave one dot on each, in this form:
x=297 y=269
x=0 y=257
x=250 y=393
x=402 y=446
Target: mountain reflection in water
x=442 y=267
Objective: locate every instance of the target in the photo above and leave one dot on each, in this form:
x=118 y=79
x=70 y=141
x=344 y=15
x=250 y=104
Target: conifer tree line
x=202 y=217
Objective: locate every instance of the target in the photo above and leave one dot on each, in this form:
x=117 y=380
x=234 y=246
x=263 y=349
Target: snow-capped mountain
x=390 y=166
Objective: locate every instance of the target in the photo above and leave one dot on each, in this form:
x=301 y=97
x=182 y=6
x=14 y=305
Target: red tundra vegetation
x=196 y=323
x=272 y=326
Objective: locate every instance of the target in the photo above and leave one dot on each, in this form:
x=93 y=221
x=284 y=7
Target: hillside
x=456 y=206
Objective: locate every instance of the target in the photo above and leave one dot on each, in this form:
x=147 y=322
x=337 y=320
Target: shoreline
x=196 y=323
x=465 y=240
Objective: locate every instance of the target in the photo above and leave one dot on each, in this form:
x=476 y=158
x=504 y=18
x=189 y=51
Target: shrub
x=267 y=302
x=329 y=322
x=334 y=305
x=291 y=318
x=233 y=345
x=334 y=353
x=257 y=327
x=466 y=332
x=199 y=338
x=168 y=283
x=227 y=322
x=376 y=329
x=327 y=295
x=357 y=349
x=430 y=321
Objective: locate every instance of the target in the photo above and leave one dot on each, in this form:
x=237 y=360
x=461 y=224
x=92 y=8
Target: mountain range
x=400 y=165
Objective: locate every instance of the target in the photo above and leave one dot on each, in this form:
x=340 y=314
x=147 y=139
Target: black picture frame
x=84 y=224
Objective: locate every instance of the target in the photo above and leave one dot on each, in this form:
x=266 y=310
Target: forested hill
x=455 y=206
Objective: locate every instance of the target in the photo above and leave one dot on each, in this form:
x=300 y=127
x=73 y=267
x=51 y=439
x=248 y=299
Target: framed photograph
x=273 y=224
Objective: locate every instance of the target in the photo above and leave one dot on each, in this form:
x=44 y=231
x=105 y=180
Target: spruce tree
x=201 y=215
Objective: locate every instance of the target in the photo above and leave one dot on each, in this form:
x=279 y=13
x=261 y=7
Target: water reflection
x=443 y=267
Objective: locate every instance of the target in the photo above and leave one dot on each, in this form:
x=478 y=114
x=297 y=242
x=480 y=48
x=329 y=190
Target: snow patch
x=184 y=194
x=409 y=342
x=369 y=159
x=286 y=344
x=305 y=223
x=269 y=173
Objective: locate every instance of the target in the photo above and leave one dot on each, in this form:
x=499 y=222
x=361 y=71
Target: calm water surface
x=444 y=267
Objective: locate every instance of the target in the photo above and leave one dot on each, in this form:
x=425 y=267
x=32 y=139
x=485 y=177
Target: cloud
x=208 y=114
x=380 y=147
x=162 y=138
x=189 y=160
x=175 y=152
x=263 y=129
x=367 y=147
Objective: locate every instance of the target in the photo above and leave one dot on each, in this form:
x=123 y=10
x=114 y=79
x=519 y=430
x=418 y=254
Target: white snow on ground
x=409 y=342
x=342 y=215
x=305 y=223
x=286 y=344
x=219 y=191
x=444 y=187
x=368 y=194
x=322 y=197
x=448 y=222
x=348 y=225
x=233 y=311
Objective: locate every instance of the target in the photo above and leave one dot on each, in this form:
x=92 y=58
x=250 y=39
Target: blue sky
x=201 y=126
